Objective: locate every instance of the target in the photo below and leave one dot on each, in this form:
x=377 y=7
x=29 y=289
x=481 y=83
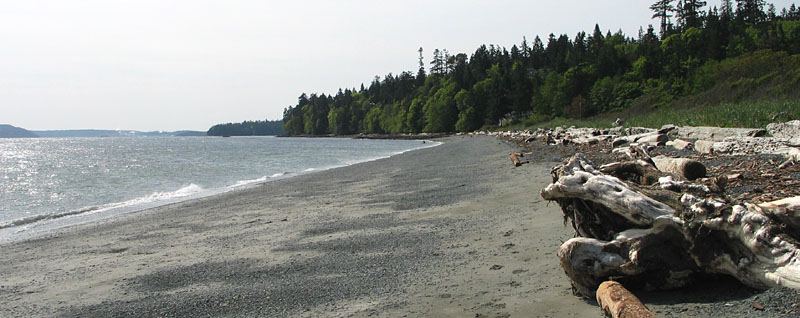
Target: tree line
x=248 y=128
x=559 y=76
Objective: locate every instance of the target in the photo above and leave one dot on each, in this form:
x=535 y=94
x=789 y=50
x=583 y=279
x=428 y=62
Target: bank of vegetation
x=248 y=128
x=744 y=52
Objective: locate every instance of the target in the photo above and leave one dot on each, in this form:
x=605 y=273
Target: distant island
x=8 y=131
x=115 y=133
x=248 y=128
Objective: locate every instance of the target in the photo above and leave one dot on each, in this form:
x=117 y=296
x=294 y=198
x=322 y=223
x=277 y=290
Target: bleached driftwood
x=789 y=129
x=787 y=147
x=680 y=144
x=618 y=302
x=716 y=133
x=684 y=167
x=653 y=138
x=662 y=236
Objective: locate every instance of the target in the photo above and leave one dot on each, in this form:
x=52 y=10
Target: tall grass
x=747 y=114
x=753 y=114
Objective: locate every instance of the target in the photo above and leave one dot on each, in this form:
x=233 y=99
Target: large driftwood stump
x=661 y=235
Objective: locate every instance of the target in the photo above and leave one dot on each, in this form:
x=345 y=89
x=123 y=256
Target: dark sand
x=450 y=231
x=413 y=235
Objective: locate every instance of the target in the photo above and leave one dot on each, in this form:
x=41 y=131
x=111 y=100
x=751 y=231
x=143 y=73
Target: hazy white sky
x=188 y=64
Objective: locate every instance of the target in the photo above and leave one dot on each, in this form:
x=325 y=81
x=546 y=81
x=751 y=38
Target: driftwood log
x=663 y=234
x=687 y=168
x=618 y=302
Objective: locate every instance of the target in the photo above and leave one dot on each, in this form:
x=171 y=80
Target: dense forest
x=559 y=76
x=248 y=128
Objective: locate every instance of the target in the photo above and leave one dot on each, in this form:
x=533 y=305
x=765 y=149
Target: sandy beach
x=450 y=231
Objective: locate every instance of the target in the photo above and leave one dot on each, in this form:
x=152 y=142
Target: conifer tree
x=750 y=11
x=690 y=13
x=663 y=9
x=726 y=9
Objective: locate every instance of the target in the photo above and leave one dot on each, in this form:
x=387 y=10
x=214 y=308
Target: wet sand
x=450 y=231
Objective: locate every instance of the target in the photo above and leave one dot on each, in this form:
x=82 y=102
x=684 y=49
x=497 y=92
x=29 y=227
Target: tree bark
x=618 y=302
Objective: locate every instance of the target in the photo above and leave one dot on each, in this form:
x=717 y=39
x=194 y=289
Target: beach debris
x=684 y=167
x=790 y=129
x=662 y=235
x=496 y=267
x=618 y=302
x=735 y=176
x=786 y=163
x=716 y=133
x=680 y=144
x=517 y=158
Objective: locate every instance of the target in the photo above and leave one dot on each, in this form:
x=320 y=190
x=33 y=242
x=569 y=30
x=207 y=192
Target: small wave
x=189 y=190
x=310 y=169
x=279 y=175
x=248 y=182
x=43 y=217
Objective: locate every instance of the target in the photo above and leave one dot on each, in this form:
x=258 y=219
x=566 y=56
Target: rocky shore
x=739 y=181
x=449 y=231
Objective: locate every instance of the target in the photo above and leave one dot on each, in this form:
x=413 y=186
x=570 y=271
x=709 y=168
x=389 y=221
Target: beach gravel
x=449 y=231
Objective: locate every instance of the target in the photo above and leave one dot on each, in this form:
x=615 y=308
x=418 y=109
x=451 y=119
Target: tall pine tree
x=663 y=10
x=750 y=11
x=690 y=13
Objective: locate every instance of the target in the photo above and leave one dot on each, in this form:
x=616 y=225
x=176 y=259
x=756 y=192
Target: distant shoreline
x=421 y=136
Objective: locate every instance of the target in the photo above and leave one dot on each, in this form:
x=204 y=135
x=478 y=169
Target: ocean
x=48 y=183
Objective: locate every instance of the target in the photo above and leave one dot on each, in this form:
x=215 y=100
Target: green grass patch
x=752 y=114
x=747 y=114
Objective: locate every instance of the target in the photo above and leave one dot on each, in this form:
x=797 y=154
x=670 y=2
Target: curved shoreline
x=450 y=231
x=39 y=226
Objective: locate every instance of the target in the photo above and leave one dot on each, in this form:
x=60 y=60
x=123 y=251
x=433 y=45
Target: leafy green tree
x=372 y=121
x=440 y=110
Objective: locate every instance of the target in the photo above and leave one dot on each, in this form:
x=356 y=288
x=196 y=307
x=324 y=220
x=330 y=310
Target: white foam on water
x=189 y=190
x=155 y=199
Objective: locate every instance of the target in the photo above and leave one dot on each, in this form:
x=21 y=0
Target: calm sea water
x=46 y=183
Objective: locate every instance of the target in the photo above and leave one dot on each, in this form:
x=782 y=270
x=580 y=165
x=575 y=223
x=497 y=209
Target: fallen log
x=618 y=302
x=663 y=236
x=680 y=144
x=687 y=168
x=650 y=138
x=716 y=133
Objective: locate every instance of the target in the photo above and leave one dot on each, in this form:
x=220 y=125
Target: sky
x=189 y=64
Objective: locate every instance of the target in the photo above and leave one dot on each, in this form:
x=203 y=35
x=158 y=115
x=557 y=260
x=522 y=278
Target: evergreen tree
x=726 y=10
x=690 y=13
x=420 y=79
x=438 y=63
x=750 y=11
x=663 y=10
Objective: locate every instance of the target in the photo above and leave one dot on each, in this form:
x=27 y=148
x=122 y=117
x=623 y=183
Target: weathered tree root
x=662 y=235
